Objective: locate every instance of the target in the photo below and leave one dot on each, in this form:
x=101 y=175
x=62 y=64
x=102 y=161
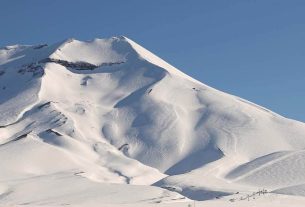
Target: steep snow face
x=20 y=78
x=111 y=111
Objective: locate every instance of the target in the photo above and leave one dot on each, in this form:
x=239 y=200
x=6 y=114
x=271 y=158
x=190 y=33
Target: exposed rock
x=77 y=65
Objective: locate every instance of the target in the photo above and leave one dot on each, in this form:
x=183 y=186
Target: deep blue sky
x=250 y=48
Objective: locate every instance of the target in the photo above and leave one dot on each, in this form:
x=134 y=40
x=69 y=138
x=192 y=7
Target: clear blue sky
x=251 y=48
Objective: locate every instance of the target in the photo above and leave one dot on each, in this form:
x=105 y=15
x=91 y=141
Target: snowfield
x=107 y=123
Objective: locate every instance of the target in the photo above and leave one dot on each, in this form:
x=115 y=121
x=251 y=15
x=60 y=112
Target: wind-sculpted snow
x=273 y=171
x=109 y=111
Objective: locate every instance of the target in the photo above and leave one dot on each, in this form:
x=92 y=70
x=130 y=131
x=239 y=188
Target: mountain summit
x=106 y=111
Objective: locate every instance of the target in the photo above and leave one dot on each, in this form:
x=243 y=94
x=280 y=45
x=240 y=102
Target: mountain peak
x=111 y=111
x=109 y=50
x=93 y=53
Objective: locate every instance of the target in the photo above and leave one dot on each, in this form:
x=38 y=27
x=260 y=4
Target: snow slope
x=109 y=111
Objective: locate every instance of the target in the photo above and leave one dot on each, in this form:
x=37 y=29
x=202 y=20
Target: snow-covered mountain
x=89 y=116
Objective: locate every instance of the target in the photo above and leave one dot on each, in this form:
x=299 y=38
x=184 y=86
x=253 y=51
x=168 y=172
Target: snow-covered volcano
x=85 y=115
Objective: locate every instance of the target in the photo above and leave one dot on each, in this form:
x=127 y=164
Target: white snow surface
x=106 y=121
